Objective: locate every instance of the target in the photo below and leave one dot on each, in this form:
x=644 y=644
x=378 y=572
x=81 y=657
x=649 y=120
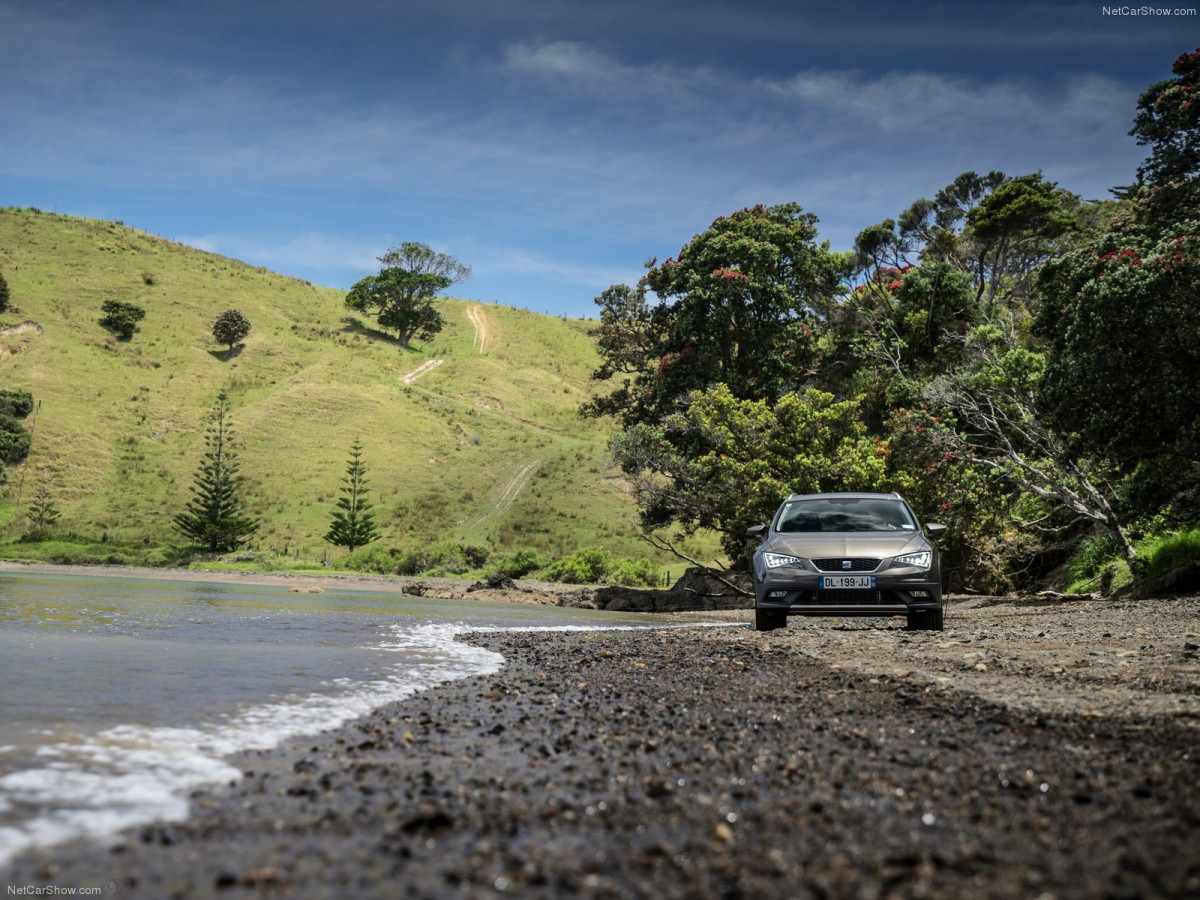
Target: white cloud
x=503 y=260
x=906 y=102
x=294 y=252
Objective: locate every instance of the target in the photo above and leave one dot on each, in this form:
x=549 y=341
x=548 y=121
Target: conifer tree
x=353 y=524
x=43 y=513
x=215 y=518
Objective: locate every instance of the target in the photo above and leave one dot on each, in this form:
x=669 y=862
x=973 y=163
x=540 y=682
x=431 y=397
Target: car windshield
x=841 y=514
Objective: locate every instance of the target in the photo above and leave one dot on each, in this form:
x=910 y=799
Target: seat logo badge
x=845 y=564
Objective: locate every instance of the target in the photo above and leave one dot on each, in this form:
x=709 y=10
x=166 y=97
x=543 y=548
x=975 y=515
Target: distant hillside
x=472 y=436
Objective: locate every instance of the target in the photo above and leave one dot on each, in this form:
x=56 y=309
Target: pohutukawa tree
x=739 y=307
x=1122 y=318
x=353 y=523
x=215 y=518
x=401 y=295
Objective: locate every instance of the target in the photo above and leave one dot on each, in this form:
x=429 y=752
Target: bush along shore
x=1046 y=750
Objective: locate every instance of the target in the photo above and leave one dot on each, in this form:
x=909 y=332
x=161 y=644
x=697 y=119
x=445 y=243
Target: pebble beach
x=1031 y=750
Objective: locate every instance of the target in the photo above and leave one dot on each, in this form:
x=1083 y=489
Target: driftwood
x=1057 y=595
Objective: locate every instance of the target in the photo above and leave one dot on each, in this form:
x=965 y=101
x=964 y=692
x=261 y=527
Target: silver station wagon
x=847 y=555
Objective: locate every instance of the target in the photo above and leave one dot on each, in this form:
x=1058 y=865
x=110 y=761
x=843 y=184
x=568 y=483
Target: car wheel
x=769 y=619
x=926 y=620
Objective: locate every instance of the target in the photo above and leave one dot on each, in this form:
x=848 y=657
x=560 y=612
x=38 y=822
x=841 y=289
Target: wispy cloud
x=907 y=102
x=554 y=143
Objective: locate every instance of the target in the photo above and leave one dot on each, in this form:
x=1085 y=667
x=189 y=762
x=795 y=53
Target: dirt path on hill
x=28 y=329
x=487 y=331
x=423 y=369
x=500 y=500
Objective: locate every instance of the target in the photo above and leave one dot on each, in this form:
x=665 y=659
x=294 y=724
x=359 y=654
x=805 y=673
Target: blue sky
x=552 y=145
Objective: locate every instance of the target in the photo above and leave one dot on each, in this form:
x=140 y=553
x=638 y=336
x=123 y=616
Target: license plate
x=834 y=582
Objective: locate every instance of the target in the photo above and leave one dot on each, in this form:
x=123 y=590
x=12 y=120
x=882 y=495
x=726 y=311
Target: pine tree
x=43 y=514
x=353 y=524
x=215 y=518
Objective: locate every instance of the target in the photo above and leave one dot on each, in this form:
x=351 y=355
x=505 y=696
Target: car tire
x=926 y=620
x=769 y=619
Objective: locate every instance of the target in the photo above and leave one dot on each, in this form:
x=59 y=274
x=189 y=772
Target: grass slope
x=484 y=446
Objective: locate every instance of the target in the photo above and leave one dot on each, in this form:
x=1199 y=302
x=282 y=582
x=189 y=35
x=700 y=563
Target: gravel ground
x=1040 y=750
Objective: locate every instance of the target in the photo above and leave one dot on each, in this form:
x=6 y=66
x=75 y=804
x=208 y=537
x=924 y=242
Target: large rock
x=696 y=590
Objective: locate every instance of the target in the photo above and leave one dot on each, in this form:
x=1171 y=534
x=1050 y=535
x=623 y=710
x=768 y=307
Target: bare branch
x=663 y=544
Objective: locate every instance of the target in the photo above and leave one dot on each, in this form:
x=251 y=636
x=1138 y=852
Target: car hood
x=868 y=544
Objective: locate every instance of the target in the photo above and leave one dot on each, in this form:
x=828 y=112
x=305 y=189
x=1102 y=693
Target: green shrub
x=75 y=550
x=519 y=563
x=636 y=573
x=588 y=565
x=121 y=318
x=1091 y=556
x=440 y=559
x=1172 y=563
x=378 y=560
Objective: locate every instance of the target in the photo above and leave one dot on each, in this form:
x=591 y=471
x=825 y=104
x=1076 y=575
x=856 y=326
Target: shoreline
x=836 y=758
x=386 y=583
x=393 y=584
x=525 y=591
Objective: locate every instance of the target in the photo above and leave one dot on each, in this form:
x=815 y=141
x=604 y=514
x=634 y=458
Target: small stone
x=723 y=833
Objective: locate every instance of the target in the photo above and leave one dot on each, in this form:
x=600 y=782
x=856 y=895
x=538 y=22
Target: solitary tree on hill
x=121 y=318
x=215 y=517
x=401 y=295
x=4 y=295
x=353 y=524
x=230 y=327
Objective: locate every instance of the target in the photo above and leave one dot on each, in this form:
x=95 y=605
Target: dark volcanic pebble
x=684 y=763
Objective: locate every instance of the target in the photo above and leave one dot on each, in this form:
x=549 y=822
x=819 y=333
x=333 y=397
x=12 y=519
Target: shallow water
x=119 y=695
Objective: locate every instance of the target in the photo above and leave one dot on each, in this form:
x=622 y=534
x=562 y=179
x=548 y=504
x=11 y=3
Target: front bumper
x=895 y=593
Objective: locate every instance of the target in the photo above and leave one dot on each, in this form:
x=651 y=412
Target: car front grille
x=835 y=564
x=846 y=598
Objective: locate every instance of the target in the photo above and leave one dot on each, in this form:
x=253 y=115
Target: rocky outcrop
x=696 y=590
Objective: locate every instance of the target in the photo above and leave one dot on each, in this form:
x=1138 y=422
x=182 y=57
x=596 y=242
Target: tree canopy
x=1121 y=315
x=401 y=295
x=230 y=327
x=736 y=306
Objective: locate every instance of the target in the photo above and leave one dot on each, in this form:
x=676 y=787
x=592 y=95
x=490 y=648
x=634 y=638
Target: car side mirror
x=933 y=529
x=756 y=531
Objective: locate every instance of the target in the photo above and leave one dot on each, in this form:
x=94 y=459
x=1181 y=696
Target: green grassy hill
x=483 y=444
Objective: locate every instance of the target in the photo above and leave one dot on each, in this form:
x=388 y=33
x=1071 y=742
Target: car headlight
x=920 y=560
x=778 y=560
